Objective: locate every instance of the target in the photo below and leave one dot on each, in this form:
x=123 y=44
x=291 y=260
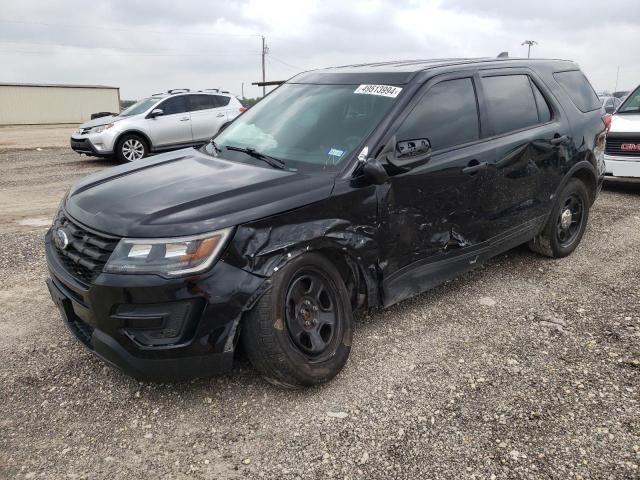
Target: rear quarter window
x=578 y=89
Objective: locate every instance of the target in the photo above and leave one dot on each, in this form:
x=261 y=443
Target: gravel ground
x=31 y=137
x=523 y=368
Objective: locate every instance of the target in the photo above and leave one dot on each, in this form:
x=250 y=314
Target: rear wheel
x=299 y=333
x=130 y=148
x=567 y=222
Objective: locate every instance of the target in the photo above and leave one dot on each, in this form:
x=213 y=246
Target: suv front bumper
x=86 y=146
x=152 y=328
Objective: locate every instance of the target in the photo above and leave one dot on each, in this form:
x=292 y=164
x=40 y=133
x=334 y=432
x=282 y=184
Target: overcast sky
x=145 y=47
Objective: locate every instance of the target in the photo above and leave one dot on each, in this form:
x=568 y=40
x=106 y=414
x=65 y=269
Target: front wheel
x=299 y=333
x=566 y=224
x=131 y=148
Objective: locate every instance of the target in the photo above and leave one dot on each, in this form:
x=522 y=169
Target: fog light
x=158 y=324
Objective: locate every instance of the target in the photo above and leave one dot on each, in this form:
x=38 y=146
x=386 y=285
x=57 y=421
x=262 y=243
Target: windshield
x=314 y=127
x=632 y=103
x=140 y=106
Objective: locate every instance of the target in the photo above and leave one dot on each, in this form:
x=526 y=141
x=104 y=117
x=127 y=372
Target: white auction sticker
x=382 y=90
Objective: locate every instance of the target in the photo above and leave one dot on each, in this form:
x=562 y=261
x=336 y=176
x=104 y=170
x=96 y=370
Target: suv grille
x=623 y=145
x=87 y=252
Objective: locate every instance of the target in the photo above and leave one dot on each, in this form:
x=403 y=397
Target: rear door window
x=202 y=102
x=174 y=105
x=447 y=115
x=578 y=89
x=510 y=101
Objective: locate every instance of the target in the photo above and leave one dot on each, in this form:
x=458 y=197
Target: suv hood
x=625 y=123
x=187 y=192
x=96 y=122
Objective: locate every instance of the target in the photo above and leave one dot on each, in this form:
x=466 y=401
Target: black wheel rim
x=569 y=221
x=312 y=314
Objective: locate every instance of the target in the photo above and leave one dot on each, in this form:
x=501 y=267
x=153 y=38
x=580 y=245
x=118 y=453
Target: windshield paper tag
x=381 y=90
x=334 y=152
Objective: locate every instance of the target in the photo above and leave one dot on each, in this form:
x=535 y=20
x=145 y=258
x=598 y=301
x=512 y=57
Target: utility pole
x=242 y=89
x=265 y=50
x=617 y=76
x=529 y=43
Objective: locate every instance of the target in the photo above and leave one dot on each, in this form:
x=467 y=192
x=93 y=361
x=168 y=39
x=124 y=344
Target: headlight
x=101 y=128
x=60 y=207
x=167 y=256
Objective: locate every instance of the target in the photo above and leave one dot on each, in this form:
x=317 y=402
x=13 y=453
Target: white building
x=43 y=104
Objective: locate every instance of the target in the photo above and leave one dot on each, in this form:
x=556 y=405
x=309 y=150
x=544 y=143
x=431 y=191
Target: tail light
x=606 y=119
x=243 y=109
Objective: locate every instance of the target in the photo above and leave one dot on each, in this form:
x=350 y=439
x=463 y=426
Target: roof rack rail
x=224 y=91
x=178 y=90
x=210 y=90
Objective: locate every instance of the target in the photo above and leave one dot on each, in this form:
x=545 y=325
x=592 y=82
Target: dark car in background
x=621 y=94
x=344 y=189
x=609 y=104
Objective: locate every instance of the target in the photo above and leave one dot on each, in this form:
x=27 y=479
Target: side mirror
x=156 y=112
x=374 y=172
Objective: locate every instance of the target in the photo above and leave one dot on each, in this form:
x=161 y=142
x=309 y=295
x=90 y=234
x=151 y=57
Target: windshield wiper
x=273 y=161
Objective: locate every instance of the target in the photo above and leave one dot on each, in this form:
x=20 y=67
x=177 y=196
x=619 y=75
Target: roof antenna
x=503 y=55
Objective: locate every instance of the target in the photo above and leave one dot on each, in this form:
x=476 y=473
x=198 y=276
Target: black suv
x=344 y=189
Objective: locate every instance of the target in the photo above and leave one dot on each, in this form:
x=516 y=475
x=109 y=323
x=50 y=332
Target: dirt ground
x=525 y=368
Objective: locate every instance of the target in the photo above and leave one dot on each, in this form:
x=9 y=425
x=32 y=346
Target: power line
x=100 y=47
x=202 y=55
x=279 y=60
x=131 y=29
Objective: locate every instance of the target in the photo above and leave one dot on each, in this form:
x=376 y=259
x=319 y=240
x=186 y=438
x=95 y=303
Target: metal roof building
x=49 y=104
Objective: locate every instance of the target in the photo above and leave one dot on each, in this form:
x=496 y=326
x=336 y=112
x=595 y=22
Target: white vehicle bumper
x=99 y=144
x=622 y=166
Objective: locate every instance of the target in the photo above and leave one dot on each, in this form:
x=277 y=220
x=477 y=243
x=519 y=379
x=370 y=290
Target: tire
x=287 y=335
x=131 y=147
x=563 y=231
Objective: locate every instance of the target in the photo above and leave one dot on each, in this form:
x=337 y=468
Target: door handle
x=474 y=167
x=220 y=115
x=184 y=119
x=563 y=140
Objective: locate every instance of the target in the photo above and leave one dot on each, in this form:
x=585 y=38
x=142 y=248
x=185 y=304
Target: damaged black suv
x=344 y=189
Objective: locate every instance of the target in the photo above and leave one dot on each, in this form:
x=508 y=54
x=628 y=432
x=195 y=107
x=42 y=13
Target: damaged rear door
x=428 y=215
x=531 y=138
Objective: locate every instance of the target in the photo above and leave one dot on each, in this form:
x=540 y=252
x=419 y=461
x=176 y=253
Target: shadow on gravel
x=622 y=185
x=97 y=162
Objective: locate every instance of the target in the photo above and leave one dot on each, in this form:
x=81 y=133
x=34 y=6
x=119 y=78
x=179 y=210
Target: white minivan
x=168 y=121
x=622 y=154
